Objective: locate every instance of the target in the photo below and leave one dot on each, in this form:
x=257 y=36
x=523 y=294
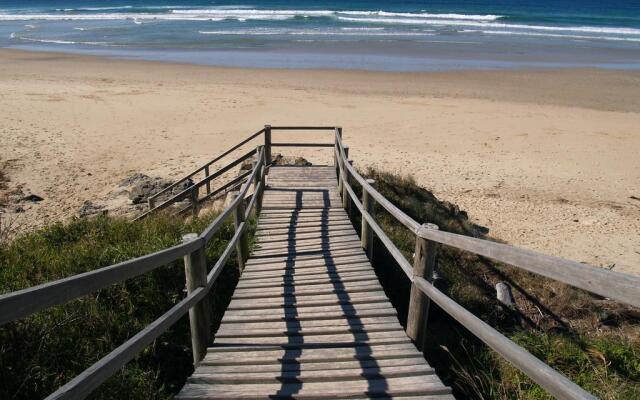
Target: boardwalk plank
x=309 y=318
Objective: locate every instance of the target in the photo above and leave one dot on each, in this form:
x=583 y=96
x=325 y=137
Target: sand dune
x=545 y=159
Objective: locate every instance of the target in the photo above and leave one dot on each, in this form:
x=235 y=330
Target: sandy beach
x=547 y=160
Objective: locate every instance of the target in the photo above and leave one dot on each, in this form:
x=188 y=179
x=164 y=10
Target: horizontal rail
x=83 y=384
x=24 y=302
x=218 y=158
x=303 y=128
x=198 y=184
x=302 y=144
x=87 y=381
x=253 y=200
x=382 y=236
x=398 y=214
x=229 y=186
x=213 y=227
x=610 y=284
x=553 y=381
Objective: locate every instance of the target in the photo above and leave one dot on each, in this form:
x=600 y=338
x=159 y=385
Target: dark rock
x=134 y=179
x=34 y=198
x=609 y=318
x=89 y=208
x=279 y=159
x=18 y=209
x=143 y=186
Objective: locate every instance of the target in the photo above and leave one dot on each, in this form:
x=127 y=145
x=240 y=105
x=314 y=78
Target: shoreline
x=544 y=158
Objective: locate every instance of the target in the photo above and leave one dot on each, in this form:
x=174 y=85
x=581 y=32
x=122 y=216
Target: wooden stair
x=309 y=319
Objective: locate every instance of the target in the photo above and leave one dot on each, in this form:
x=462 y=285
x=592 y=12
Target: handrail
x=610 y=284
x=218 y=158
x=19 y=304
x=614 y=285
x=198 y=184
x=303 y=128
x=24 y=302
x=621 y=287
x=554 y=382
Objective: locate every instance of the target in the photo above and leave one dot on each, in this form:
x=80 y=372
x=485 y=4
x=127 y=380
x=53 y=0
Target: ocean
x=354 y=34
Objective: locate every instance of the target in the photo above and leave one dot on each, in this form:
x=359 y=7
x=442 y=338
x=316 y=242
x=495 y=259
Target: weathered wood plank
x=356 y=372
x=308 y=318
x=342 y=323
x=285 y=331
x=305 y=367
x=424 y=385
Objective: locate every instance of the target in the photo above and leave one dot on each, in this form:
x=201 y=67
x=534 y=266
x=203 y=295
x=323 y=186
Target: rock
x=504 y=295
x=18 y=209
x=143 y=186
x=279 y=159
x=609 y=318
x=89 y=208
x=34 y=198
x=134 y=179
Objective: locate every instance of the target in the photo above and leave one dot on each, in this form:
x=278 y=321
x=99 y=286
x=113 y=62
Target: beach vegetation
x=593 y=341
x=42 y=352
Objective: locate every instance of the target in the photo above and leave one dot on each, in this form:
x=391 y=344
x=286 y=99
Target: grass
x=593 y=341
x=44 y=351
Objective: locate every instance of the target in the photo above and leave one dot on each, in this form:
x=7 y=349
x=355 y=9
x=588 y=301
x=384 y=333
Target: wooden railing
x=25 y=302
x=617 y=286
x=192 y=192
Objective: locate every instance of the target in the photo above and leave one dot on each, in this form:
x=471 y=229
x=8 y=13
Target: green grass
x=558 y=324
x=42 y=352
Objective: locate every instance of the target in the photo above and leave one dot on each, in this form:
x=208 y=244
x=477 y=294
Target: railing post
x=346 y=199
x=368 y=203
x=267 y=143
x=195 y=206
x=340 y=178
x=195 y=270
x=206 y=175
x=152 y=203
x=242 y=247
x=424 y=262
x=335 y=157
x=256 y=181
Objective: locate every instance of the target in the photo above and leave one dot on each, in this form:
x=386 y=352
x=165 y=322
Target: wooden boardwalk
x=309 y=319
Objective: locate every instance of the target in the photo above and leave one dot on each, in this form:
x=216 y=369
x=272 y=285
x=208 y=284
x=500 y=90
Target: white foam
x=438 y=22
x=95 y=8
x=57 y=41
x=555 y=35
x=309 y=32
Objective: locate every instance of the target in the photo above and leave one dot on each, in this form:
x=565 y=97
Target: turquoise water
x=379 y=35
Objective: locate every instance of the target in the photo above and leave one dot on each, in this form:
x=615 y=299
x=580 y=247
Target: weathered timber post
x=368 y=203
x=195 y=205
x=346 y=199
x=256 y=182
x=206 y=175
x=195 y=271
x=340 y=178
x=152 y=203
x=242 y=247
x=424 y=263
x=335 y=157
x=267 y=143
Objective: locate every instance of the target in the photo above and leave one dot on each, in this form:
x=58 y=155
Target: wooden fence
x=617 y=286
